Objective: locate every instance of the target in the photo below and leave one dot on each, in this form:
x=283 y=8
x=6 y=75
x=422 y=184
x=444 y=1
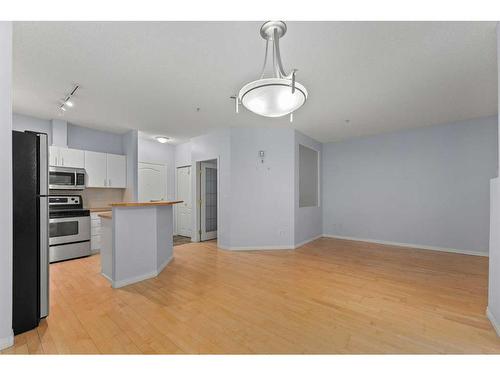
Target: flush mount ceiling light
x=66 y=102
x=276 y=96
x=162 y=139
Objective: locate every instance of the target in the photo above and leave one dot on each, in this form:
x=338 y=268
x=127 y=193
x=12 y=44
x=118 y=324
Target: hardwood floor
x=330 y=296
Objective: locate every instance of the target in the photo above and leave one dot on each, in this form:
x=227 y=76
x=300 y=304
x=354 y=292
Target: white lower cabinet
x=95 y=232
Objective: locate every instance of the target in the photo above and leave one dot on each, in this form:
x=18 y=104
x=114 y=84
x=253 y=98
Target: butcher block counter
x=136 y=241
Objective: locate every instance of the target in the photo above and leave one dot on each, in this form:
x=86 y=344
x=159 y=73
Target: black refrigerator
x=31 y=235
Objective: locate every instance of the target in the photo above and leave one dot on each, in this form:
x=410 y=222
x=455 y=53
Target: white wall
x=262 y=194
x=6 y=334
x=308 y=220
x=426 y=186
x=150 y=151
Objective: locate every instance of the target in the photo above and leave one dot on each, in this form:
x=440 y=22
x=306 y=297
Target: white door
x=70 y=157
x=184 y=208
x=208 y=198
x=95 y=166
x=116 y=166
x=152 y=182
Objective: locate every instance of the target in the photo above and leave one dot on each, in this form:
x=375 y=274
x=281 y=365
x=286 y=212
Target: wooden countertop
x=144 y=204
x=100 y=209
x=106 y=215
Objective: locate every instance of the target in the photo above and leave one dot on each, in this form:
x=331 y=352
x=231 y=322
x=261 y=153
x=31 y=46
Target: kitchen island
x=136 y=241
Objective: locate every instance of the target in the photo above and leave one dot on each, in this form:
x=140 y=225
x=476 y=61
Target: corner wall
x=423 y=187
x=6 y=334
x=308 y=220
x=493 y=310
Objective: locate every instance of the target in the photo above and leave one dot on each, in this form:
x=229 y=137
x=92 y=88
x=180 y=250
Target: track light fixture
x=67 y=102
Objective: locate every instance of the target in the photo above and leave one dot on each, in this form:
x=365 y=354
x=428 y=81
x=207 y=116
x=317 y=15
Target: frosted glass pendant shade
x=272 y=97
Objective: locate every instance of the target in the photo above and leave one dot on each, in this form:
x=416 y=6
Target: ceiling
x=153 y=76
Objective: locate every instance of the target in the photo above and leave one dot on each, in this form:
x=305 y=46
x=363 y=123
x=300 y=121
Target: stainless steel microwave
x=64 y=178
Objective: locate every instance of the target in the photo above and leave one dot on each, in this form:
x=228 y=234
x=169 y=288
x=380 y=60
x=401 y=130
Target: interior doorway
x=207 y=199
x=183 y=216
x=152 y=182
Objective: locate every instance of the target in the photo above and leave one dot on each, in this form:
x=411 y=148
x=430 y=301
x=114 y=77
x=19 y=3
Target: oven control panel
x=65 y=200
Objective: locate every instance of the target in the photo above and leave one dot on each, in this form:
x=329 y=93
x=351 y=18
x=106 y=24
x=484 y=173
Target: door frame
x=197 y=189
x=212 y=235
x=176 y=209
x=165 y=171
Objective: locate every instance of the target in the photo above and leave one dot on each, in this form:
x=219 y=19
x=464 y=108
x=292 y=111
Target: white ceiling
x=152 y=76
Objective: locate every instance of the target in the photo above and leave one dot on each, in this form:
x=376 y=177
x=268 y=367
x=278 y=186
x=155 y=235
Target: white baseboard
x=250 y=248
x=494 y=322
x=6 y=342
x=297 y=245
x=136 y=279
x=107 y=277
x=282 y=247
x=414 y=246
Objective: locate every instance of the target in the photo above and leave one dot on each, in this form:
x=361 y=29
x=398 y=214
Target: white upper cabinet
x=117 y=170
x=105 y=170
x=72 y=158
x=66 y=157
x=53 y=155
x=95 y=166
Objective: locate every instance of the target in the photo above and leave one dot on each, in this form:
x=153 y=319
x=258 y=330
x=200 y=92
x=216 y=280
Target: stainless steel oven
x=64 y=178
x=69 y=228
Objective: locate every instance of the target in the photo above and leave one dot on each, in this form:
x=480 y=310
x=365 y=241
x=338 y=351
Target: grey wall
x=262 y=194
x=308 y=220
x=215 y=145
x=6 y=335
x=24 y=122
x=83 y=138
x=130 y=148
x=77 y=137
x=427 y=186
x=493 y=310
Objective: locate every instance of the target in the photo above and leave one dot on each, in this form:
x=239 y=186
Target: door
x=184 y=208
x=71 y=158
x=116 y=170
x=95 y=166
x=208 y=199
x=152 y=182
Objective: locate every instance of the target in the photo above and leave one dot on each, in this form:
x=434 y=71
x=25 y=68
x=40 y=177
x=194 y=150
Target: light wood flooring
x=330 y=296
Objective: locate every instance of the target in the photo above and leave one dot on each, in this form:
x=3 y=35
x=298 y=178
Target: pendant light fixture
x=280 y=94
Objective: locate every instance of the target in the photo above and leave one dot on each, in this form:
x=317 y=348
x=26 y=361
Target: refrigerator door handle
x=43 y=164
x=44 y=256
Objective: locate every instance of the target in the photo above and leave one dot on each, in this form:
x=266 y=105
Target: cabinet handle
x=62 y=160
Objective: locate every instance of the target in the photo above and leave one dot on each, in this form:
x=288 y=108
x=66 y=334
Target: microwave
x=64 y=178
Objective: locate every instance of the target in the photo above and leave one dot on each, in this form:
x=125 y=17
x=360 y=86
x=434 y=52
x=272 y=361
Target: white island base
x=136 y=241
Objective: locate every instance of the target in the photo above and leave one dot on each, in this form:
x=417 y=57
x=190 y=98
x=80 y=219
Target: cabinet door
x=53 y=156
x=72 y=158
x=117 y=170
x=95 y=166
